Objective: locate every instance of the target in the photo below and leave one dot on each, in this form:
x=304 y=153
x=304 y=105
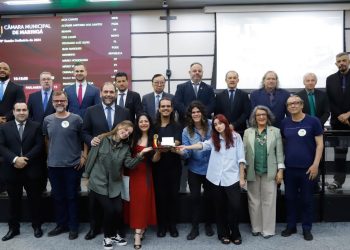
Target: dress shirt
x=83 y=85
x=18 y=125
x=112 y=111
x=124 y=96
x=43 y=94
x=223 y=167
x=5 y=86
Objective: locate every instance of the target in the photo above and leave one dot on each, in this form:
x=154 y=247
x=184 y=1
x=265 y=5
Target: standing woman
x=226 y=176
x=198 y=130
x=104 y=170
x=142 y=207
x=265 y=164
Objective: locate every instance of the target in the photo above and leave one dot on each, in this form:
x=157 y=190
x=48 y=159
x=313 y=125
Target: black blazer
x=95 y=122
x=339 y=102
x=36 y=109
x=238 y=113
x=185 y=94
x=32 y=147
x=321 y=103
x=13 y=93
x=133 y=104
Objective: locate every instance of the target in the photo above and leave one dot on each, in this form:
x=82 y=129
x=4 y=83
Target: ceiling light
x=24 y=2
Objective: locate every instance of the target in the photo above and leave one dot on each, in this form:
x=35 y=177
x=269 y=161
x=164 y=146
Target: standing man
x=63 y=138
x=10 y=93
x=338 y=92
x=150 y=102
x=301 y=133
x=194 y=89
x=271 y=96
x=21 y=145
x=127 y=98
x=233 y=103
x=315 y=101
x=99 y=119
x=81 y=95
x=40 y=102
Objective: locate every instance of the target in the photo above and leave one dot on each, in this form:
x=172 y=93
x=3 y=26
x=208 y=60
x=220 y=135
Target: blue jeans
x=64 y=181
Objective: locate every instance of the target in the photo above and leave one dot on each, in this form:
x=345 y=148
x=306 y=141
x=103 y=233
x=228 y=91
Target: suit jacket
x=238 y=113
x=90 y=98
x=32 y=145
x=13 y=93
x=95 y=122
x=275 y=157
x=133 y=104
x=185 y=94
x=148 y=103
x=36 y=109
x=321 y=103
x=339 y=102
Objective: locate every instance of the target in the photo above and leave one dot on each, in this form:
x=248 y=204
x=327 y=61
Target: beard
x=4 y=78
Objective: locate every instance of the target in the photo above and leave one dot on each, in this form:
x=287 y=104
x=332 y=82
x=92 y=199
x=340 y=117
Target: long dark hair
x=215 y=135
x=138 y=132
x=189 y=120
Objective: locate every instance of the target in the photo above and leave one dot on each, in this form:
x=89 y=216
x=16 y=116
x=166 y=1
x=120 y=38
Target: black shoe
x=90 y=235
x=10 y=234
x=57 y=230
x=208 y=230
x=161 y=233
x=308 y=235
x=38 y=232
x=288 y=232
x=73 y=235
x=193 y=234
x=173 y=231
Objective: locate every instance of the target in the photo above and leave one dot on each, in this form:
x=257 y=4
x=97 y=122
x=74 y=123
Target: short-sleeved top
x=65 y=140
x=223 y=167
x=300 y=144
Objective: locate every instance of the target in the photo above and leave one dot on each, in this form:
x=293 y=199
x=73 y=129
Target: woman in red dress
x=142 y=209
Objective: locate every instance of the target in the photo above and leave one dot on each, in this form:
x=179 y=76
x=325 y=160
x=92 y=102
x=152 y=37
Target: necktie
x=121 y=100
x=312 y=104
x=46 y=99
x=196 y=89
x=343 y=85
x=109 y=117
x=271 y=98
x=20 y=130
x=157 y=102
x=232 y=96
x=1 y=90
x=80 y=94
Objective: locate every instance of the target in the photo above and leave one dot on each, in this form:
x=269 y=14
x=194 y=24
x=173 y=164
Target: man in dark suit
x=150 y=102
x=81 y=95
x=40 y=102
x=10 y=93
x=21 y=145
x=338 y=92
x=233 y=103
x=97 y=121
x=315 y=100
x=127 y=98
x=194 y=89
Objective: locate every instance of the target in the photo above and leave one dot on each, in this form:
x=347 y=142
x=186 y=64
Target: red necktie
x=80 y=94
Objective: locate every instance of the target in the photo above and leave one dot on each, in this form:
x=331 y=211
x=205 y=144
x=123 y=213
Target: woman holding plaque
x=225 y=175
x=198 y=130
x=142 y=207
x=167 y=168
x=265 y=164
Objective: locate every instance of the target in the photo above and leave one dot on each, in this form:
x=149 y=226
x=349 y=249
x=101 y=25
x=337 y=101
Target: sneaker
x=108 y=243
x=119 y=240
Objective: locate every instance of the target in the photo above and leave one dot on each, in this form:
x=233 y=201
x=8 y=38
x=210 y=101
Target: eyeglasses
x=58 y=101
x=158 y=83
x=293 y=103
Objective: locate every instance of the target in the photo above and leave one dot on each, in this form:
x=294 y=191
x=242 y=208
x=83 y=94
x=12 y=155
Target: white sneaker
x=108 y=243
x=119 y=240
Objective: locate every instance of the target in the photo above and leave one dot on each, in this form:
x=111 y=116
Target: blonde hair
x=123 y=124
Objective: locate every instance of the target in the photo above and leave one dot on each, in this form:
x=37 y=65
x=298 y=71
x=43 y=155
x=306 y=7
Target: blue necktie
x=109 y=117
x=46 y=99
x=121 y=100
x=157 y=102
x=1 y=90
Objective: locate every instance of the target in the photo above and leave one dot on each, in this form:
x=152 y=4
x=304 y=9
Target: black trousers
x=112 y=212
x=195 y=182
x=15 y=193
x=227 y=202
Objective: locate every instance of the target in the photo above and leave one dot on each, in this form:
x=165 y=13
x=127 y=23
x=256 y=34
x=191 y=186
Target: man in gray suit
x=150 y=102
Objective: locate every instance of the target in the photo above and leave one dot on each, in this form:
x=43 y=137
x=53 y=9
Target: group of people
x=133 y=151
